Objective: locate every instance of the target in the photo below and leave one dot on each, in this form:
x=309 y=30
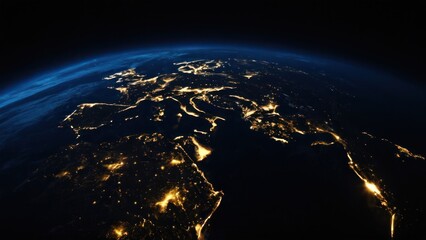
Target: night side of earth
x=210 y=143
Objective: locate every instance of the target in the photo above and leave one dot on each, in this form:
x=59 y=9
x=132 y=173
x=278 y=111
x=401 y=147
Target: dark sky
x=37 y=36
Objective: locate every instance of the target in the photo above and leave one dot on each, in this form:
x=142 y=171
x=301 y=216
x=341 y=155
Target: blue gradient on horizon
x=46 y=81
x=114 y=61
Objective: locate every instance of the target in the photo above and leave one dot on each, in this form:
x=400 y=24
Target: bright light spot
x=201 y=151
x=122 y=90
x=212 y=121
x=174 y=162
x=105 y=177
x=247 y=112
x=188 y=112
x=270 y=106
x=299 y=131
x=280 y=139
x=372 y=188
x=63 y=174
x=119 y=232
x=200 y=132
x=392 y=224
x=114 y=166
x=172 y=196
x=198 y=229
x=249 y=75
x=169 y=79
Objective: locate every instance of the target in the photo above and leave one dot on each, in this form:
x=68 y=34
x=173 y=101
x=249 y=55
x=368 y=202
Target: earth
x=213 y=143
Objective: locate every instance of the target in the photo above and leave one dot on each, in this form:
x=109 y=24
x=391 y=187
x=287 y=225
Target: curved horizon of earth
x=214 y=143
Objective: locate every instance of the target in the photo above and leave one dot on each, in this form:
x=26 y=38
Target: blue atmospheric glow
x=82 y=69
x=128 y=59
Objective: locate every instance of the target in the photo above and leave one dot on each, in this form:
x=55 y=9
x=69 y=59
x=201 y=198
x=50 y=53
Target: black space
x=38 y=36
